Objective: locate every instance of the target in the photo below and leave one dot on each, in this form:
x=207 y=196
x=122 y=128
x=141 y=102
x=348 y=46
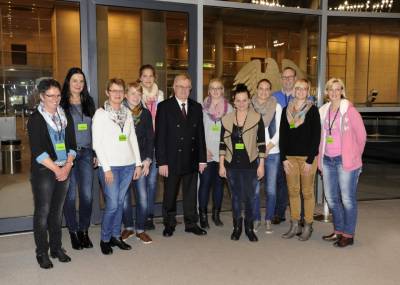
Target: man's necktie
x=184 y=111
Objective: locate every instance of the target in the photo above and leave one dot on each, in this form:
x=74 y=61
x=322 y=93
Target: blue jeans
x=271 y=173
x=139 y=186
x=281 y=193
x=114 y=194
x=151 y=186
x=341 y=194
x=81 y=178
x=243 y=183
x=210 y=178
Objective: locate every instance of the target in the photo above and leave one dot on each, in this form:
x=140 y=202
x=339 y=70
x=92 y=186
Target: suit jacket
x=180 y=143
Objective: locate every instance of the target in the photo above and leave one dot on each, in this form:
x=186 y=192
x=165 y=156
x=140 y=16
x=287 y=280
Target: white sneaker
x=257 y=225
x=268 y=227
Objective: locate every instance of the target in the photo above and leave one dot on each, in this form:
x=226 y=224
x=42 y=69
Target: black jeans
x=49 y=196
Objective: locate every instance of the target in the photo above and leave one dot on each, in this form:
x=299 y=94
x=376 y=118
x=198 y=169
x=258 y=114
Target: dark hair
x=46 y=84
x=290 y=68
x=147 y=66
x=87 y=102
x=241 y=88
x=264 y=80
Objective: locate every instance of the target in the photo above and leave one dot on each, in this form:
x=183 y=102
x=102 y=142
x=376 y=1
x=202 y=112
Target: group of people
x=279 y=138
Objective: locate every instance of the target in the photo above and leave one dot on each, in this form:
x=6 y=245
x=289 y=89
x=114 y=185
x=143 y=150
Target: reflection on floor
x=215 y=259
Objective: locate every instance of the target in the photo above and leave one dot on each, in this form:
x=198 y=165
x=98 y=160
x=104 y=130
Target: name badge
x=60 y=146
x=329 y=139
x=82 y=127
x=292 y=125
x=216 y=128
x=239 y=145
x=122 y=138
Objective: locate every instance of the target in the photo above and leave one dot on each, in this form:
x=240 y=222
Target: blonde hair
x=135 y=85
x=215 y=80
x=330 y=83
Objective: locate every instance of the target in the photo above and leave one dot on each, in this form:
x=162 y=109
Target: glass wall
x=233 y=38
x=33 y=46
x=128 y=38
x=366 y=54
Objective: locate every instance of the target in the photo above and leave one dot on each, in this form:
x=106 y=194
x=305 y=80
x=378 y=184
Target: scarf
x=136 y=112
x=57 y=121
x=266 y=109
x=215 y=112
x=297 y=117
x=117 y=116
x=150 y=99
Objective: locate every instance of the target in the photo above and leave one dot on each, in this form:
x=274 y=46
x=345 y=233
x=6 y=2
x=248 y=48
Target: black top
x=240 y=157
x=40 y=141
x=145 y=135
x=303 y=140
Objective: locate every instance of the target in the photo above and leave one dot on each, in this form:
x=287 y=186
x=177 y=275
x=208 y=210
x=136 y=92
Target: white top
x=275 y=138
x=110 y=149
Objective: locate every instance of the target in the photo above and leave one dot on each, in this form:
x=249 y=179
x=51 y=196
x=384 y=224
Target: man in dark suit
x=180 y=154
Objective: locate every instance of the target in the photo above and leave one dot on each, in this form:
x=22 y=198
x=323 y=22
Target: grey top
x=212 y=130
x=82 y=126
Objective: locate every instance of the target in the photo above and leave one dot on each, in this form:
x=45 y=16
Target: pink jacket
x=353 y=135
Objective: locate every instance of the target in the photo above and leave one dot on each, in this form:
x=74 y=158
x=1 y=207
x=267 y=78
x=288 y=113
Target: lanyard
x=329 y=120
x=59 y=132
x=241 y=128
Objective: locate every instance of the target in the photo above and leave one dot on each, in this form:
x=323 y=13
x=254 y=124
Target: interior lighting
x=366 y=6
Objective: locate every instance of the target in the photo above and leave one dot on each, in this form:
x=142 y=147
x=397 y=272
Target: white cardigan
x=109 y=149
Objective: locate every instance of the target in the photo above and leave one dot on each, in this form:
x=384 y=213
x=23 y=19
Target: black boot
x=249 y=230
x=84 y=239
x=203 y=219
x=215 y=217
x=75 y=242
x=60 y=254
x=237 y=229
x=44 y=261
x=293 y=230
x=149 y=224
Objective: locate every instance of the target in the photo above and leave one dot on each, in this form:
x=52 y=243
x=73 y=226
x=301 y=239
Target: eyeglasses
x=287 y=77
x=301 y=88
x=216 y=89
x=51 y=96
x=116 y=91
x=183 y=87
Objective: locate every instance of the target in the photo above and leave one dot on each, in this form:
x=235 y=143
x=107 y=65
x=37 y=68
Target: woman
x=52 y=144
x=215 y=106
x=242 y=150
x=151 y=97
x=145 y=136
x=299 y=136
x=79 y=108
x=342 y=144
x=117 y=150
x=266 y=105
